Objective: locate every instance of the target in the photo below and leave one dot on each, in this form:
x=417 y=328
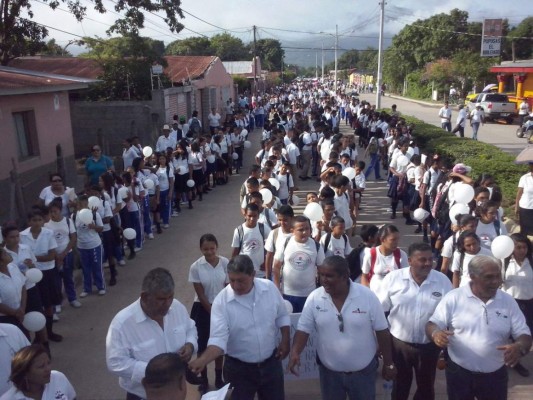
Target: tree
x=193 y=46
x=270 y=53
x=229 y=48
x=51 y=48
x=21 y=36
x=439 y=72
x=472 y=70
x=523 y=47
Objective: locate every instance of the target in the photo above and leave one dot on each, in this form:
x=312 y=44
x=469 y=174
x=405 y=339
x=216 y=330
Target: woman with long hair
x=181 y=175
x=196 y=169
x=468 y=246
x=165 y=175
x=139 y=176
x=109 y=186
x=130 y=214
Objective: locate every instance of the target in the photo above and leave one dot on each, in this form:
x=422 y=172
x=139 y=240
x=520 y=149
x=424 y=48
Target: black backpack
x=354 y=261
x=195 y=127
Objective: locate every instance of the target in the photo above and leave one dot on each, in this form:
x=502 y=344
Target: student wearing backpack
x=305 y=145
x=489 y=225
x=300 y=257
x=369 y=236
x=266 y=215
x=336 y=243
x=249 y=239
x=286 y=184
x=468 y=246
x=383 y=258
x=465 y=223
x=278 y=236
x=343 y=204
x=195 y=126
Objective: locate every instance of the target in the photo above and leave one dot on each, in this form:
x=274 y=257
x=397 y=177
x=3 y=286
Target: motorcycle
x=526 y=129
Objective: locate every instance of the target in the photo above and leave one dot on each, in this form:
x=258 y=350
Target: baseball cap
x=166 y=127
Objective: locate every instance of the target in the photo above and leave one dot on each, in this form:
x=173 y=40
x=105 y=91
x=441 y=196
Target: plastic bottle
x=387 y=390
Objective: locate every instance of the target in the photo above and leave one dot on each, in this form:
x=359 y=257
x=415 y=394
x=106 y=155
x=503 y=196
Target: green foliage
x=229 y=48
x=440 y=73
x=242 y=83
x=289 y=76
x=51 y=48
x=470 y=69
x=270 y=53
x=417 y=86
x=193 y=46
x=21 y=36
x=523 y=47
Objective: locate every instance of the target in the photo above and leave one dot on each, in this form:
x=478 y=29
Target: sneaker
x=106 y=264
x=75 y=303
x=84 y=294
x=175 y=213
x=122 y=263
x=55 y=318
x=183 y=203
x=101 y=292
x=137 y=249
x=150 y=236
x=166 y=226
x=57 y=309
x=389 y=210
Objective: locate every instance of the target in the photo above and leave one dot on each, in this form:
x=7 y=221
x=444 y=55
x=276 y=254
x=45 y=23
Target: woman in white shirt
x=181 y=175
x=524 y=202
x=58 y=189
x=209 y=276
x=468 y=246
x=489 y=225
x=398 y=189
x=214 y=120
x=42 y=242
x=165 y=174
x=196 y=169
x=33 y=378
x=12 y=291
x=518 y=281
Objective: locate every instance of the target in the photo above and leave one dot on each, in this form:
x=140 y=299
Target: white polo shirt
x=24 y=253
x=62 y=231
x=526 y=183
x=246 y=327
x=518 y=280
x=59 y=388
x=11 y=340
x=212 y=279
x=382 y=266
x=336 y=247
x=11 y=287
x=479 y=328
x=276 y=239
x=40 y=246
x=411 y=305
x=353 y=349
x=133 y=339
x=252 y=244
x=463 y=269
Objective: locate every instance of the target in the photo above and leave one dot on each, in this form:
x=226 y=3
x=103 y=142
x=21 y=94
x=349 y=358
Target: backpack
x=195 y=127
x=301 y=143
x=267 y=216
x=328 y=239
x=441 y=207
x=374 y=255
x=354 y=261
x=372 y=147
x=240 y=231
x=317 y=245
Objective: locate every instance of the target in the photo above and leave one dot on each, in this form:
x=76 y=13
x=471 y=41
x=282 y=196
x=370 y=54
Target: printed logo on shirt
x=337 y=251
x=358 y=311
x=436 y=294
x=300 y=260
x=59 y=395
x=252 y=245
x=499 y=314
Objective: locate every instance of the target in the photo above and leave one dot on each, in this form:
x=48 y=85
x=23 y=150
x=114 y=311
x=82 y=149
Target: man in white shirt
x=165 y=378
x=460 y=122
x=349 y=324
x=477 y=117
x=445 y=114
x=165 y=141
x=523 y=111
x=246 y=318
x=411 y=296
x=293 y=154
x=306 y=153
x=475 y=322
x=155 y=323
x=129 y=153
x=11 y=340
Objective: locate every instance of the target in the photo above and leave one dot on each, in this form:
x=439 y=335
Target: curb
x=421 y=102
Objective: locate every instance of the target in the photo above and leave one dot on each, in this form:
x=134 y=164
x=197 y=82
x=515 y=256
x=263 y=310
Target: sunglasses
x=57 y=180
x=341 y=322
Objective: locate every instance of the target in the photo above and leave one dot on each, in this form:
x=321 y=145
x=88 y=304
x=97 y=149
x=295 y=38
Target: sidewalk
x=435 y=104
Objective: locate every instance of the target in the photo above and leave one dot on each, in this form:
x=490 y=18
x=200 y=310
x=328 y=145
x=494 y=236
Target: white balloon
x=147 y=151
x=123 y=192
x=295 y=200
x=457 y=209
x=420 y=214
x=314 y=212
x=463 y=193
x=267 y=195
x=402 y=161
x=85 y=216
x=288 y=306
x=210 y=158
x=148 y=184
x=410 y=152
x=129 y=233
x=349 y=173
x=502 y=247
x=94 y=202
x=247 y=144
x=274 y=182
x=34 y=275
x=34 y=321
x=190 y=183
x=235 y=156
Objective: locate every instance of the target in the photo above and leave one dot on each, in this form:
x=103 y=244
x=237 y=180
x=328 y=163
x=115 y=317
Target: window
x=26 y=131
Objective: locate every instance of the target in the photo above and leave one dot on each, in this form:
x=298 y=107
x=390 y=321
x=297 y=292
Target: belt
x=253 y=364
x=453 y=365
x=415 y=345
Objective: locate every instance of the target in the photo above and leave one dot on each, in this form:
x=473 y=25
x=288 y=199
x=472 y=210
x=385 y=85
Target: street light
x=336 y=36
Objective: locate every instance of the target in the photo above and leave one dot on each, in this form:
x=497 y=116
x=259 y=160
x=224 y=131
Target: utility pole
x=322 y=62
x=255 y=61
x=380 y=55
x=336 y=45
x=316 y=65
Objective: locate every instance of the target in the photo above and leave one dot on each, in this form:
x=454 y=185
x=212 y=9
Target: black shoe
x=112 y=281
x=132 y=255
x=393 y=216
x=522 y=371
x=410 y=222
x=54 y=337
x=425 y=239
x=418 y=230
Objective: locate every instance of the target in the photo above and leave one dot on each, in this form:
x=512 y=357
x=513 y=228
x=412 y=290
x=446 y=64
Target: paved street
x=81 y=356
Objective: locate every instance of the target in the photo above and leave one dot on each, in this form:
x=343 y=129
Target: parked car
x=495 y=106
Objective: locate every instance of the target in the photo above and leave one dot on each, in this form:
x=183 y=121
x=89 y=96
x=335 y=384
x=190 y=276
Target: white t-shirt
x=62 y=230
x=40 y=246
x=212 y=279
x=271 y=217
x=286 y=182
x=382 y=266
x=342 y=207
x=526 y=183
x=47 y=196
x=88 y=238
x=293 y=152
x=252 y=245
x=59 y=388
x=448 y=248
x=336 y=247
x=280 y=238
x=300 y=261
x=128 y=155
x=214 y=119
x=24 y=253
x=163 y=177
x=463 y=269
x=11 y=287
x=487 y=233
x=445 y=114
x=518 y=280
x=181 y=165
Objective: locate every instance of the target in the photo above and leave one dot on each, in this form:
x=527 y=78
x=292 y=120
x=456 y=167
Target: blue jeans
x=67 y=277
x=446 y=126
x=296 y=301
x=359 y=385
x=462 y=384
x=135 y=223
x=91 y=265
x=475 y=128
x=164 y=206
x=374 y=165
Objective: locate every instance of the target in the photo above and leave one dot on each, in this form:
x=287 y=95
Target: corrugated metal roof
x=69 y=66
x=239 y=67
x=181 y=68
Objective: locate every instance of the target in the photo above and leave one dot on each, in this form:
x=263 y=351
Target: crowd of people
x=447 y=297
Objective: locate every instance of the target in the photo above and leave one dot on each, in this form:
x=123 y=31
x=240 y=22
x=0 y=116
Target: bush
x=482 y=157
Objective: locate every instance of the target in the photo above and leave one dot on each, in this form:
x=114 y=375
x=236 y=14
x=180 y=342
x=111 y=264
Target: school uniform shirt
x=196 y=161
x=526 y=183
x=163 y=176
x=128 y=155
x=11 y=340
x=214 y=120
x=445 y=114
x=325 y=148
x=11 y=287
x=394 y=163
x=24 y=253
x=430 y=179
x=88 y=238
x=164 y=142
x=362 y=314
x=181 y=165
x=518 y=280
x=383 y=265
x=252 y=244
x=336 y=247
x=47 y=196
x=276 y=239
x=105 y=211
x=448 y=246
x=133 y=339
x=62 y=230
x=476 y=116
x=461 y=118
x=59 y=388
x=293 y=152
x=308 y=141
x=411 y=305
x=487 y=233
x=300 y=261
x=225 y=144
x=479 y=328
x=342 y=207
x=132 y=204
x=286 y=182
x=463 y=269
x=40 y=246
x=271 y=217
x=212 y=279
x=352 y=153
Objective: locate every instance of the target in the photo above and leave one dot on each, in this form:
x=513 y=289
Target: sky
x=303 y=26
